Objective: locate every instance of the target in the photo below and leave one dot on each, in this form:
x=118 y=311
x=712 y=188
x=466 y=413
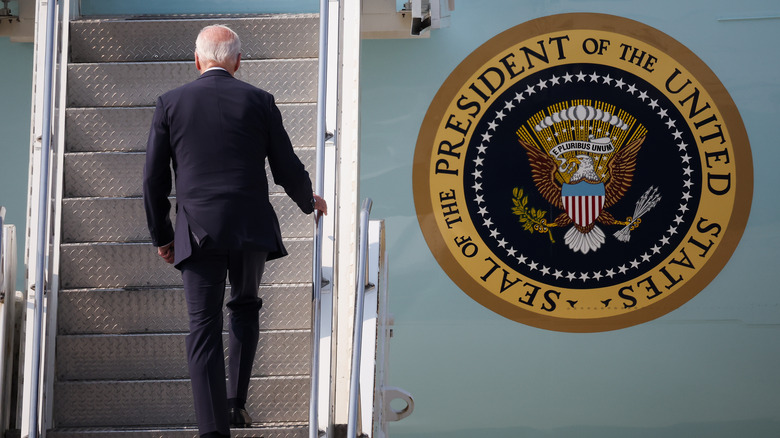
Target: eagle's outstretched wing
x=621 y=172
x=543 y=168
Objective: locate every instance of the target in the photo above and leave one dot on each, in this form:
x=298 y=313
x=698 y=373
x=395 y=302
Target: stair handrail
x=357 y=329
x=316 y=305
x=4 y=303
x=8 y=319
x=43 y=213
x=2 y=218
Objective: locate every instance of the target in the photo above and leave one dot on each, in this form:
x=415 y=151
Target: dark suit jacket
x=218 y=131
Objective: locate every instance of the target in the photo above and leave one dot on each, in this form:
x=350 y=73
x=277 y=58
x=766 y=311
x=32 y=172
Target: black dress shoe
x=240 y=418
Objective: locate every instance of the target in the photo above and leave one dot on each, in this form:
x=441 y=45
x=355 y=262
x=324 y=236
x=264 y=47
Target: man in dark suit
x=218 y=131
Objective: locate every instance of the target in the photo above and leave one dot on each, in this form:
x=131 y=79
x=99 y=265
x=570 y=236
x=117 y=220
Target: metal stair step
x=104 y=174
x=163 y=356
x=268 y=430
x=120 y=40
x=124 y=219
x=127 y=129
x=112 y=265
x=169 y=402
x=164 y=310
x=140 y=83
x=120 y=174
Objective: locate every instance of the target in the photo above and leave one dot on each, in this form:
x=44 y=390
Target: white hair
x=211 y=47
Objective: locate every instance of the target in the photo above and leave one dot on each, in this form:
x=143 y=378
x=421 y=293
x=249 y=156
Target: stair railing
x=43 y=213
x=9 y=318
x=316 y=305
x=357 y=329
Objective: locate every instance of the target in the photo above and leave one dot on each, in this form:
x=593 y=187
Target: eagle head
x=585 y=170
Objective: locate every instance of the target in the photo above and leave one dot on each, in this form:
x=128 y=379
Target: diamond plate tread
x=164 y=356
x=120 y=174
x=113 y=265
x=120 y=40
x=127 y=129
x=124 y=219
x=143 y=311
x=107 y=129
x=285 y=430
x=169 y=402
x=131 y=84
x=104 y=174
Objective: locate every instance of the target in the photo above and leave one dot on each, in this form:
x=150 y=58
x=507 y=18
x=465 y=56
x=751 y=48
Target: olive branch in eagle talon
x=532 y=219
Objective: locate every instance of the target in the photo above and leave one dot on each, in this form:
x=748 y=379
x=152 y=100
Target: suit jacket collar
x=215 y=72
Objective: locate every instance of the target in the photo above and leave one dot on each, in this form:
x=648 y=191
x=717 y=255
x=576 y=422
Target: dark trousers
x=204 y=274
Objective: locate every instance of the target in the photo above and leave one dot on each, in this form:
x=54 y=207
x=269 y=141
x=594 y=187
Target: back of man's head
x=218 y=44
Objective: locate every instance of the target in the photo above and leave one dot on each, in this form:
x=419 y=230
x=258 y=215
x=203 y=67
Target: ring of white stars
x=571 y=276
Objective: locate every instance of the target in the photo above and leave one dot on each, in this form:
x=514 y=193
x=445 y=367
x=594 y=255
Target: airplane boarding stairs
x=120 y=365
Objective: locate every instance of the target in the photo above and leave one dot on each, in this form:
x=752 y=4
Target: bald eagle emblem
x=585 y=176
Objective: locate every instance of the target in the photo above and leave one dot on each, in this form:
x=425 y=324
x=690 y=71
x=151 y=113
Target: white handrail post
x=317 y=253
x=357 y=339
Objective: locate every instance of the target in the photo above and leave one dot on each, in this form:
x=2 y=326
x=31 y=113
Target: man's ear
x=197 y=62
x=238 y=63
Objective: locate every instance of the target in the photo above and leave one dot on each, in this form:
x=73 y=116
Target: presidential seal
x=582 y=172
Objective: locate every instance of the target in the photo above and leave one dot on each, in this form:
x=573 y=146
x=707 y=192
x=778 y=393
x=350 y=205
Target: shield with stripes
x=583 y=201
